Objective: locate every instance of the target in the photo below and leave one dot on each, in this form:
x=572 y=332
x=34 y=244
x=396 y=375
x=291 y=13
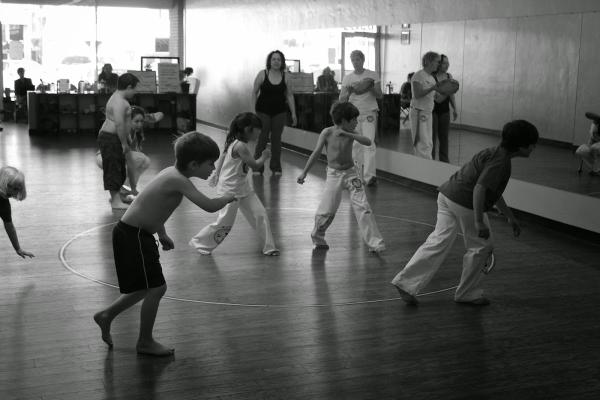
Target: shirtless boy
x=135 y=250
x=342 y=174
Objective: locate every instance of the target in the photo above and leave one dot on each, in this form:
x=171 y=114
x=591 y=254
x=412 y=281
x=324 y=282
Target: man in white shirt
x=362 y=87
x=192 y=81
x=424 y=87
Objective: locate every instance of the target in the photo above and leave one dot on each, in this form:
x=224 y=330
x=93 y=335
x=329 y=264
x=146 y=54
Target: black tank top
x=271 y=100
x=444 y=106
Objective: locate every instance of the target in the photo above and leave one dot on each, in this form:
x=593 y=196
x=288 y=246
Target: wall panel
x=547 y=58
x=588 y=93
x=488 y=75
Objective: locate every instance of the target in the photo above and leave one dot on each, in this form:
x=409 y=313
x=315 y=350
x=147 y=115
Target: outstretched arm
x=315 y=155
x=248 y=158
x=205 y=203
x=365 y=141
x=14 y=240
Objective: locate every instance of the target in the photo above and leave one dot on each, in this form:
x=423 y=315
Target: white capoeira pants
x=421 y=129
x=337 y=181
x=364 y=156
x=590 y=154
x=212 y=235
x=451 y=217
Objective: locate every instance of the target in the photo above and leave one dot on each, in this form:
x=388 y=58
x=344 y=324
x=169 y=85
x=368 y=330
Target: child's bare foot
x=117 y=204
x=153 y=348
x=104 y=324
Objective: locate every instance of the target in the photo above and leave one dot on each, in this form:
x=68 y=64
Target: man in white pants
x=424 y=87
x=362 y=87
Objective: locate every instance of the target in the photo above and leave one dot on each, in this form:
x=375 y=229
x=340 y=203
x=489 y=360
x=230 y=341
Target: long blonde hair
x=10 y=176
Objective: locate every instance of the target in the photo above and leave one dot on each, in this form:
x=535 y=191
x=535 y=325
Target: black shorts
x=136 y=259
x=113 y=160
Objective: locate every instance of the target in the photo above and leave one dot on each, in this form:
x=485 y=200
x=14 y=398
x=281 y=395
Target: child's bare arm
x=501 y=204
x=14 y=240
x=365 y=141
x=315 y=154
x=164 y=239
x=245 y=155
x=122 y=113
x=478 y=207
x=195 y=196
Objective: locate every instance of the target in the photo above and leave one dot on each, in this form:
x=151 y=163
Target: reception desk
x=52 y=113
x=312 y=111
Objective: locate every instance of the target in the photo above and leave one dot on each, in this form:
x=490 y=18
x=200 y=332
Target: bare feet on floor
x=153 y=348
x=104 y=324
x=118 y=205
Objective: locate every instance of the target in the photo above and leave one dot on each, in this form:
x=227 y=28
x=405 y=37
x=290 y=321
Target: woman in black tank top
x=441 y=113
x=272 y=99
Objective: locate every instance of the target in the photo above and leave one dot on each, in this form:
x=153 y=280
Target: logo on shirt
x=370 y=118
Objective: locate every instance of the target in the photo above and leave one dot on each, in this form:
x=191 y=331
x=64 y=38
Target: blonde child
x=12 y=184
x=230 y=178
x=135 y=250
x=342 y=174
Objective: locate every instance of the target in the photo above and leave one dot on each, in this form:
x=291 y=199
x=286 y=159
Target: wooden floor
x=304 y=325
x=550 y=165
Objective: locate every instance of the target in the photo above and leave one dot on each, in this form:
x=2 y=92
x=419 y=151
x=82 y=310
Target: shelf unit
x=65 y=113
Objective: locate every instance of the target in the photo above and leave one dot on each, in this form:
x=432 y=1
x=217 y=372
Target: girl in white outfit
x=230 y=177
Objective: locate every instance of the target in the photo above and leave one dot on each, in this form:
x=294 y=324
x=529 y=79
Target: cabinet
x=52 y=113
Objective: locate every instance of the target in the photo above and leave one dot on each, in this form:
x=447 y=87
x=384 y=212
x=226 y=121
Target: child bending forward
x=342 y=174
x=463 y=202
x=231 y=178
x=135 y=250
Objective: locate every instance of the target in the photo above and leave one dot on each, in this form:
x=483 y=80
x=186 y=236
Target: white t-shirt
x=194 y=84
x=365 y=102
x=233 y=178
x=426 y=80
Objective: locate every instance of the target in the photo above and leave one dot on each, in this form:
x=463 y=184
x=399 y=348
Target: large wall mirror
x=535 y=68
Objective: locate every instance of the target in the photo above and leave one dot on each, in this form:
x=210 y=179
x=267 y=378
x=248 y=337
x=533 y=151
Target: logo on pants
x=357 y=183
x=221 y=234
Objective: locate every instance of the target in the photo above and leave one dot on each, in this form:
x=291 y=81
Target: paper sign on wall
x=168 y=78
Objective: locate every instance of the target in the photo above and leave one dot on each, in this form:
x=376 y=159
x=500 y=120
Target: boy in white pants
x=342 y=174
x=462 y=205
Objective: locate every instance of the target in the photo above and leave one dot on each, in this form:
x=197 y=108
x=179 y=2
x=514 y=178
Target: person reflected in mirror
x=108 y=79
x=589 y=152
x=12 y=184
x=405 y=97
x=272 y=98
x=326 y=82
x=342 y=174
x=463 y=202
x=22 y=86
x=423 y=86
x=192 y=82
x=362 y=87
x=441 y=112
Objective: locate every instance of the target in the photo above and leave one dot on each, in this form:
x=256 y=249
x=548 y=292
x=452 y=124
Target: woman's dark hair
x=283 y=66
x=518 y=133
x=237 y=129
x=126 y=80
x=138 y=136
x=343 y=110
x=194 y=146
x=442 y=56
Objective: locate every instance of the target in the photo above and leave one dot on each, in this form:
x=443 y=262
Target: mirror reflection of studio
x=418 y=187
